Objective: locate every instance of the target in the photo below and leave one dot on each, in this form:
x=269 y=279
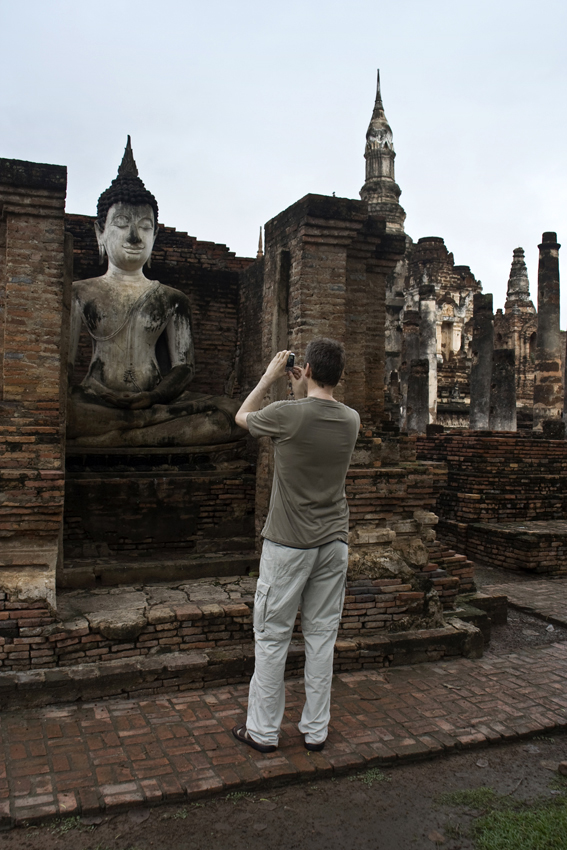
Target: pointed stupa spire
x=518 y=294
x=378 y=113
x=128 y=167
x=380 y=190
x=260 y=252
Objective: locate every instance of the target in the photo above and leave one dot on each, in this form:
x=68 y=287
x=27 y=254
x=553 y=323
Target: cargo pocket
x=260 y=602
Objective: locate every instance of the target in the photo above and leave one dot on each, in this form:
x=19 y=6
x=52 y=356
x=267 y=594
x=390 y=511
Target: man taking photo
x=305 y=553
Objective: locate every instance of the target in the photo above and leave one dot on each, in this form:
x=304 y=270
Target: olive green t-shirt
x=313 y=443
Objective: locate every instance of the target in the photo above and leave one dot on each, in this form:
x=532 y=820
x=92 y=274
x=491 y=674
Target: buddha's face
x=128 y=236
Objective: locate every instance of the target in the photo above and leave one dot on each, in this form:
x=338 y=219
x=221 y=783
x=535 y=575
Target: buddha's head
x=126 y=224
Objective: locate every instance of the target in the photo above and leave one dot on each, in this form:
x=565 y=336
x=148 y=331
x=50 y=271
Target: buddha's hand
x=114 y=399
x=141 y=401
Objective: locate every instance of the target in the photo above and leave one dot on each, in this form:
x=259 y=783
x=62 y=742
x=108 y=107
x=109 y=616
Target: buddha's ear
x=101 y=249
x=99 y=231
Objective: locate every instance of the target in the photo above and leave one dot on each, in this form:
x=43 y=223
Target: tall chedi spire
x=518 y=295
x=380 y=190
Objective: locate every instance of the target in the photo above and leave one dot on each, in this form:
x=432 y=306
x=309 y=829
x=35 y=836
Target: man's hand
x=276 y=370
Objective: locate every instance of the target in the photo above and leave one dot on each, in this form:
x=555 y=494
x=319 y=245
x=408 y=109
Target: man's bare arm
x=253 y=402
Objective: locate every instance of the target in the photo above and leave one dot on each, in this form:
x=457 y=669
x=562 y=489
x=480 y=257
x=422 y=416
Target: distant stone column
x=481 y=369
x=428 y=342
x=418 y=396
x=548 y=378
x=503 y=391
x=410 y=351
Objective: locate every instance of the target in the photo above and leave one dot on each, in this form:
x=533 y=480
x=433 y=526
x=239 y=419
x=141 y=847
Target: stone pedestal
x=157 y=515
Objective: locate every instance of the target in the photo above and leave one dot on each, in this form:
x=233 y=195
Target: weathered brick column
x=34 y=284
x=481 y=369
x=418 y=397
x=410 y=351
x=325 y=268
x=548 y=378
x=503 y=391
x=428 y=343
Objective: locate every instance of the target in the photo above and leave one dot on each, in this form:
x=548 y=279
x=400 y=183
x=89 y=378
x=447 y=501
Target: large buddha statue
x=125 y=400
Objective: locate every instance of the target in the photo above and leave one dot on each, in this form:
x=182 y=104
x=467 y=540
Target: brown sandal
x=242 y=734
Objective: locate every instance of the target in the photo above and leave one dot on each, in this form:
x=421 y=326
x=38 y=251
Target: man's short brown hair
x=327 y=360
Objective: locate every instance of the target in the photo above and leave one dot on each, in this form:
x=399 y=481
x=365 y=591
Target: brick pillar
x=34 y=287
x=337 y=260
x=428 y=343
x=481 y=369
x=503 y=391
x=418 y=396
x=410 y=351
x=548 y=378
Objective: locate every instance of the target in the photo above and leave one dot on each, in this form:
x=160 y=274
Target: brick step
x=85 y=573
x=182 y=671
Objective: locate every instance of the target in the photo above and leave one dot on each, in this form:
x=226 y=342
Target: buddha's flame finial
x=128 y=167
x=126 y=188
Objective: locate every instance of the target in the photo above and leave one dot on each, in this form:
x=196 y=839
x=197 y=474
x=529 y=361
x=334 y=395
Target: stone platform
x=149 y=639
x=537 y=546
x=91 y=757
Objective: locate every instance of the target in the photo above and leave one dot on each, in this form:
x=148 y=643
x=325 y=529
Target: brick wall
x=34 y=303
x=496 y=478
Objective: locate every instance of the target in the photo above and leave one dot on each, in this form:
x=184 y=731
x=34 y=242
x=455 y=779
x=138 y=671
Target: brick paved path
x=82 y=758
x=546 y=598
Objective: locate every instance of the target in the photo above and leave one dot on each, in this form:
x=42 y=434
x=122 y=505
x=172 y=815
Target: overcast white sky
x=239 y=108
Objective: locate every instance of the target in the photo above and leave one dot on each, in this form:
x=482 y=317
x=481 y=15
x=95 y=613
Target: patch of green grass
x=559 y=783
x=540 y=826
x=180 y=814
x=369 y=776
x=235 y=796
x=474 y=798
x=454 y=830
x=63 y=825
x=547 y=738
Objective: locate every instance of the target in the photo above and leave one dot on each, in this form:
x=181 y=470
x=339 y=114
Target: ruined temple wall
x=430 y=271
x=206 y=272
x=34 y=289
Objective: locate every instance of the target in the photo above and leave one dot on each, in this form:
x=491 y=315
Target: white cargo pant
x=316 y=578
